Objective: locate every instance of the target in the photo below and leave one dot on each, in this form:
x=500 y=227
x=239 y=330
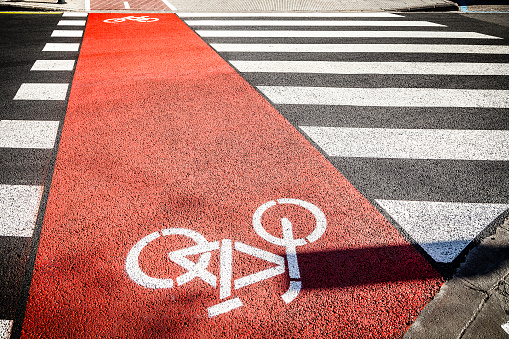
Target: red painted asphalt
x=162 y=134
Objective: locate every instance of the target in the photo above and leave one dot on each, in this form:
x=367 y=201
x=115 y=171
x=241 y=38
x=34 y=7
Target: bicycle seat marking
x=204 y=248
x=144 y=18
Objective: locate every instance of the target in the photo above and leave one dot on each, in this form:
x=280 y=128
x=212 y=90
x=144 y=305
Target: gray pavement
x=43 y=5
x=260 y=6
x=474 y=303
x=308 y=5
x=476 y=6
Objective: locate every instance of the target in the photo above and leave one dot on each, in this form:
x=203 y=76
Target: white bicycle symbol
x=144 y=18
x=204 y=248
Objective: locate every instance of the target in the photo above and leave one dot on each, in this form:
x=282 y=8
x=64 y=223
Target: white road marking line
x=41 y=91
x=505 y=327
x=361 y=48
x=53 y=65
x=71 y=23
x=61 y=47
x=225 y=287
x=28 y=134
x=67 y=34
x=198 y=269
x=490 y=145
x=343 y=34
x=293 y=291
x=75 y=14
x=387 y=97
x=291 y=251
x=224 y=307
x=312 y=23
x=5 y=328
x=19 y=205
x=336 y=67
x=135 y=272
x=442 y=229
x=288 y=15
x=261 y=275
x=169 y=5
x=126 y=5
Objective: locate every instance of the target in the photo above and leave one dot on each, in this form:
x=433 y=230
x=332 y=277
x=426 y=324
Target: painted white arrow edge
x=442 y=229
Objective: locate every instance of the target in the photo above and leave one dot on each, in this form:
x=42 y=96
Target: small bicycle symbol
x=204 y=249
x=144 y=18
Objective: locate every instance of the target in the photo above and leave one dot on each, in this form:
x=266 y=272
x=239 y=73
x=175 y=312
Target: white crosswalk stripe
x=41 y=91
x=19 y=205
x=75 y=15
x=457 y=223
x=28 y=135
x=5 y=328
x=411 y=143
x=301 y=61
x=61 y=47
x=331 y=23
x=342 y=34
x=292 y=15
x=360 y=48
x=59 y=33
x=53 y=65
x=391 y=97
x=72 y=23
x=352 y=67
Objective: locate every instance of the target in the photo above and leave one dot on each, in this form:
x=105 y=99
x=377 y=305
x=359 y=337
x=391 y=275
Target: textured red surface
x=162 y=133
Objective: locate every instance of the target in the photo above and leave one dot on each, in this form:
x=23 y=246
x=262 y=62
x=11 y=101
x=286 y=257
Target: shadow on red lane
x=363 y=266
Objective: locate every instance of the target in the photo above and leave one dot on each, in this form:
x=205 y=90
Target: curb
x=450 y=7
x=475 y=302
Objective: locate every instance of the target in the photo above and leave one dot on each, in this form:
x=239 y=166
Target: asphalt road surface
x=35 y=79
x=222 y=176
x=407 y=107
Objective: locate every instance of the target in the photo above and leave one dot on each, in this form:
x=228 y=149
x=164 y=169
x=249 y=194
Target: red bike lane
x=183 y=205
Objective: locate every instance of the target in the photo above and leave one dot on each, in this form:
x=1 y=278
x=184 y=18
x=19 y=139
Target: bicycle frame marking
x=204 y=249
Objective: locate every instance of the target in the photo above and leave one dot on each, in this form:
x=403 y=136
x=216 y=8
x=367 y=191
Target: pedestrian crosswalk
x=31 y=118
x=413 y=112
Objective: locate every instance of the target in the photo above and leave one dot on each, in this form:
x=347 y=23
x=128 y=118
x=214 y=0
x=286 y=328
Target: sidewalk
x=483 y=6
x=475 y=302
x=258 y=6
x=43 y=5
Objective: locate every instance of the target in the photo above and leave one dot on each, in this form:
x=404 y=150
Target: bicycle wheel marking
x=203 y=247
